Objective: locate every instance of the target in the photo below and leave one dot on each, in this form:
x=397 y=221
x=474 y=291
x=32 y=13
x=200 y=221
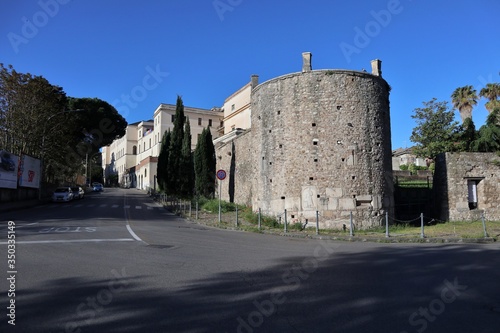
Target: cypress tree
x=211 y=163
x=186 y=168
x=161 y=168
x=175 y=150
x=199 y=164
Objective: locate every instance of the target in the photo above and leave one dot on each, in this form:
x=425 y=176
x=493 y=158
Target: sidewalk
x=16 y=205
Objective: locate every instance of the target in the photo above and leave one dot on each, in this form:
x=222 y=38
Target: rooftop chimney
x=254 y=80
x=377 y=67
x=306 y=62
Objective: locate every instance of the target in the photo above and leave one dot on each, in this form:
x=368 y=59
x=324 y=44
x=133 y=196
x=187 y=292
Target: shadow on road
x=389 y=289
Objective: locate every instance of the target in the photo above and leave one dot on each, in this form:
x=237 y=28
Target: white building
x=133 y=159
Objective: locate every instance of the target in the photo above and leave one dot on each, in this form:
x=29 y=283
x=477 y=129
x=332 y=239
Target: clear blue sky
x=204 y=50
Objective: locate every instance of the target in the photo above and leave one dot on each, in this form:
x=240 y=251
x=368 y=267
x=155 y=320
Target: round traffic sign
x=221 y=174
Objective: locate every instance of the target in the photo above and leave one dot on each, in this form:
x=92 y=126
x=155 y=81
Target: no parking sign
x=221 y=174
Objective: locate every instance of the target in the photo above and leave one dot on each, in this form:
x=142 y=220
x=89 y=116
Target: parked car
x=62 y=194
x=6 y=161
x=97 y=187
x=78 y=192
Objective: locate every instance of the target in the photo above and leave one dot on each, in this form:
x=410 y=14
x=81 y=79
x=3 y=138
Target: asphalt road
x=117 y=262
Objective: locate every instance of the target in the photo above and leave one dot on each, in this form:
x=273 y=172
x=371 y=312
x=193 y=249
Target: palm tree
x=491 y=92
x=464 y=99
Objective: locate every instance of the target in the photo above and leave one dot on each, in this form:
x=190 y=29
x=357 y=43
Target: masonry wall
x=322 y=141
x=237 y=159
x=453 y=170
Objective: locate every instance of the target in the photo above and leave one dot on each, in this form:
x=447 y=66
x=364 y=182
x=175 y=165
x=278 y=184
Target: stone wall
x=236 y=158
x=451 y=177
x=322 y=141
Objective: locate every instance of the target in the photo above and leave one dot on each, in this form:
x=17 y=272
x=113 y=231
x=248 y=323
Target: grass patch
x=212 y=205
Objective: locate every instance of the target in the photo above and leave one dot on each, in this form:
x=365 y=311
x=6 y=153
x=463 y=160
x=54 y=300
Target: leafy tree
x=175 y=150
x=467 y=134
x=26 y=101
x=464 y=99
x=489 y=134
x=101 y=123
x=436 y=131
x=491 y=92
x=161 y=168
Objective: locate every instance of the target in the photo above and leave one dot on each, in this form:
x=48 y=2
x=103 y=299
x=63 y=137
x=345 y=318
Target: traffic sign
x=221 y=174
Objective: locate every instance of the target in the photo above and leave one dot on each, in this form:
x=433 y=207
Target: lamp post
x=43 y=146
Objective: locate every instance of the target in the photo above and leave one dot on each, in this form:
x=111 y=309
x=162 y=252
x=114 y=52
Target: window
x=472 y=192
x=199 y=121
x=209 y=122
x=149 y=142
x=144 y=147
x=173 y=118
x=134 y=150
x=232 y=107
x=145 y=172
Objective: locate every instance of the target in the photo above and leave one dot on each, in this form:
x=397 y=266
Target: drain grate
x=156 y=246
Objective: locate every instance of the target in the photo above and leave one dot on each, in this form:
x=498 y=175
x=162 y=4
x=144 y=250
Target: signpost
x=221 y=175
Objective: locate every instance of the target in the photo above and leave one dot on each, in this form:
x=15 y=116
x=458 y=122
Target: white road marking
x=138 y=207
x=133 y=233
x=74 y=241
x=115 y=206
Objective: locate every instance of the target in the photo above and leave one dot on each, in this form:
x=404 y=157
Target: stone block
x=347 y=204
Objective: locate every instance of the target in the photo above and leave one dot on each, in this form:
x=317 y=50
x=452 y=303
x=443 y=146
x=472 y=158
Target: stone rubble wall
x=453 y=170
x=320 y=141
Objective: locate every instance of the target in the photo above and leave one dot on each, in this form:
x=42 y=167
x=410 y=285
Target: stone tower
x=321 y=141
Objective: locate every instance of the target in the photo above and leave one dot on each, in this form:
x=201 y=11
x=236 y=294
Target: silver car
x=78 y=192
x=62 y=194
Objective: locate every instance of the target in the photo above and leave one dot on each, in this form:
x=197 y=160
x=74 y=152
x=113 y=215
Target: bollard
x=422 y=225
x=196 y=209
x=350 y=220
x=285 y=223
x=317 y=223
x=387 y=224
x=236 y=216
x=190 y=209
x=259 y=218
x=484 y=226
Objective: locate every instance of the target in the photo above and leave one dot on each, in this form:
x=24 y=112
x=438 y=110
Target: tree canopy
x=38 y=119
x=435 y=130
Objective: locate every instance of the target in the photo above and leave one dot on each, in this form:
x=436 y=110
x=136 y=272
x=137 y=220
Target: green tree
x=464 y=99
x=489 y=134
x=175 y=150
x=211 y=162
x=491 y=92
x=204 y=165
x=101 y=124
x=186 y=167
x=467 y=135
x=162 y=166
x=436 y=131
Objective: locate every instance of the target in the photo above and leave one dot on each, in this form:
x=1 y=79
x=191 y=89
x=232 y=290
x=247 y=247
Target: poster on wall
x=29 y=172
x=8 y=169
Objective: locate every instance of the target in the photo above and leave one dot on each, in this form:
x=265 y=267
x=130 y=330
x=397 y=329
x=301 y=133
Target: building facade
x=132 y=159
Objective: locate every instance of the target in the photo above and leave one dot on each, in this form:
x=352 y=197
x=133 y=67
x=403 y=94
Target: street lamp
x=43 y=146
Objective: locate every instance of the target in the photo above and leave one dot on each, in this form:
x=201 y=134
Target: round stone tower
x=322 y=142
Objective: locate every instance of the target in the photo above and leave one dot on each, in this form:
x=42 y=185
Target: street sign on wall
x=221 y=174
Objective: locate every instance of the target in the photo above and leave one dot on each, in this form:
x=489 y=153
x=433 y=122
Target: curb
x=382 y=239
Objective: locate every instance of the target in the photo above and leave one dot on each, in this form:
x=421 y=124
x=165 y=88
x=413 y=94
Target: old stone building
x=320 y=140
x=467 y=185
